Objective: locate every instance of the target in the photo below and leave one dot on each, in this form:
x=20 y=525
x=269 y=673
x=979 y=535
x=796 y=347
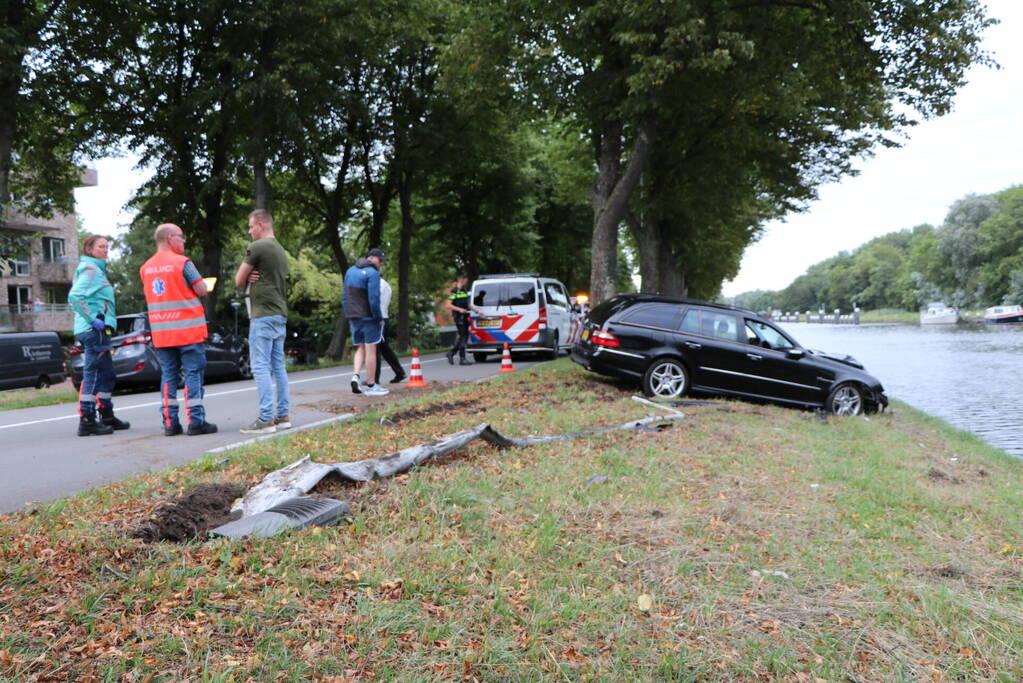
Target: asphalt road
x=42 y=457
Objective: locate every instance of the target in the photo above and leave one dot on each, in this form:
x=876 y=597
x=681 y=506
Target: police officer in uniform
x=458 y=303
x=177 y=321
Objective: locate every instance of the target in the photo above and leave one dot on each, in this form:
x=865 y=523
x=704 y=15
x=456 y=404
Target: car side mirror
x=795 y=354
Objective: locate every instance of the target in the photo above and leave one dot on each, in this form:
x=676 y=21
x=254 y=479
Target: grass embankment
x=32 y=398
x=747 y=542
x=889 y=315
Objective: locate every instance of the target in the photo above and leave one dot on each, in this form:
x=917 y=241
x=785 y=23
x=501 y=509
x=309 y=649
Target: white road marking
x=219 y=393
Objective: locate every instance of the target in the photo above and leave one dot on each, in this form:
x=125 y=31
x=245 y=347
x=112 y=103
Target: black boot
x=451 y=357
x=88 y=426
x=107 y=415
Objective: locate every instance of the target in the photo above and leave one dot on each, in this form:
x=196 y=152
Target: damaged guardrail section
x=291 y=482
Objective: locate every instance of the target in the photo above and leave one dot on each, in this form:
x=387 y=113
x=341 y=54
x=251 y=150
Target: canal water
x=969 y=375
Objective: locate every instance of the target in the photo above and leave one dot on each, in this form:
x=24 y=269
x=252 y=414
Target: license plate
x=488 y=322
x=586 y=335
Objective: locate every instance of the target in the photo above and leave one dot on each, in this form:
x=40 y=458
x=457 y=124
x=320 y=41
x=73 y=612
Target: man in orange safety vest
x=177 y=321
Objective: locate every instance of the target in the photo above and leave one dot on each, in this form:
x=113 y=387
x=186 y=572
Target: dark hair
x=90 y=241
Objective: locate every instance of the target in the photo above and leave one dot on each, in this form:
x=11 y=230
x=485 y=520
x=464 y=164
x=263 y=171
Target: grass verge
x=31 y=398
x=748 y=542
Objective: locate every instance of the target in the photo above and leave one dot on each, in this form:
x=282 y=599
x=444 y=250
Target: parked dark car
x=30 y=359
x=674 y=346
x=135 y=362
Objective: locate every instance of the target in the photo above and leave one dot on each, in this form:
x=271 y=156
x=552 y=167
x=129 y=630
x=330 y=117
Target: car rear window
x=504 y=294
x=606 y=309
x=654 y=315
x=711 y=324
x=129 y=324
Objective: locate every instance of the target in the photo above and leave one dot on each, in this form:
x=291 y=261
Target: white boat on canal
x=1004 y=314
x=938 y=313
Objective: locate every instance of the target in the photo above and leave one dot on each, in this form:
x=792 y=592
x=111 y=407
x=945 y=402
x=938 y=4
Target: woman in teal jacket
x=92 y=300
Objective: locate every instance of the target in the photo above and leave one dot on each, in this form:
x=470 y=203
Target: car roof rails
x=497 y=275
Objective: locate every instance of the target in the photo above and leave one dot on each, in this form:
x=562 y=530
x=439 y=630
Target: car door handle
x=694 y=345
x=753 y=356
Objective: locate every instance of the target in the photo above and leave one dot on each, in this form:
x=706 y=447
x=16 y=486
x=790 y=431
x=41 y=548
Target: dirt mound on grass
x=192 y=515
x=433 y=409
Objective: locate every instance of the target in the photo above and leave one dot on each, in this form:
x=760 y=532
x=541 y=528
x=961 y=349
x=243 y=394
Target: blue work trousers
x=189 y=360
x=98 y=374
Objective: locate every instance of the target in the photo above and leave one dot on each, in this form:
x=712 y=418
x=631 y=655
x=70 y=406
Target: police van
x=30 y=359
x=523 y=310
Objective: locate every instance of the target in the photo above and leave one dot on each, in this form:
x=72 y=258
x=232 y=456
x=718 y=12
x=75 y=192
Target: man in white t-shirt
x=383 y=348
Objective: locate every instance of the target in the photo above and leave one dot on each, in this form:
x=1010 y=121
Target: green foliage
x=974 y=259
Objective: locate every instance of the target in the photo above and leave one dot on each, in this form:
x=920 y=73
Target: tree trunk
x=336 y=208
x=261 y=195
x=672 y=277
x=646 y=237
x=408 y=227
x=8 y=128
x=380 y=196
x=336 y=348
x=610 y=199
x=261 y=185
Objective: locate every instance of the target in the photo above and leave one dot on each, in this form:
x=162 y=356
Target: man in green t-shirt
x=263 y=274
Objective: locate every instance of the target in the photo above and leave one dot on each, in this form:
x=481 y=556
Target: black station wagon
x=674 y=346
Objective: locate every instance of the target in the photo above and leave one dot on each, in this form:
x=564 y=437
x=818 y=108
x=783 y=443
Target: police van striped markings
x=121 y=409
x=514 y=328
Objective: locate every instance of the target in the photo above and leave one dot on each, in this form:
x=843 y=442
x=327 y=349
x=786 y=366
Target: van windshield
x=504 y=294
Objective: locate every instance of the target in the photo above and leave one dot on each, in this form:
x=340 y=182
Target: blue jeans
x=191 y=361
x=266 y=352
x=98 y=374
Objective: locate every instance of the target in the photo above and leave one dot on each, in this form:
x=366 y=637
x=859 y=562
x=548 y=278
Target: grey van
x=30 y=359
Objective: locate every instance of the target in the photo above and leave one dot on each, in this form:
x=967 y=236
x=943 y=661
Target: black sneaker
x=202 y=428
x=173 y=430
x=398 y=378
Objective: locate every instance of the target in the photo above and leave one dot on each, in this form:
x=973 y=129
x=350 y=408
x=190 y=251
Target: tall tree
x=849 y=70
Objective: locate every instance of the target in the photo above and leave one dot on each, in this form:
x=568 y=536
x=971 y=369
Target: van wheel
x=43 y=382
x=665 y=378
x=479 y=357
x=555 y=348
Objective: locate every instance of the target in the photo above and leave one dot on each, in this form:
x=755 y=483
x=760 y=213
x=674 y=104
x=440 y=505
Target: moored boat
x=1004 y=314
x=937 y=313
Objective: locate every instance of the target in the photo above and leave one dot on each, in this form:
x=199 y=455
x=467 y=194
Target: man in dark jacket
x=360 y=303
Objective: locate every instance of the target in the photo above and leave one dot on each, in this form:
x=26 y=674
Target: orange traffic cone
x=415 y=378
x=506 y=364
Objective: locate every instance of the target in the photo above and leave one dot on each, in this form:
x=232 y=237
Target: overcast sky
x=978 y=148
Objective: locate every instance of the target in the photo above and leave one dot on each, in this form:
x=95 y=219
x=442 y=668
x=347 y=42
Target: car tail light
x=543 y=318
x=601 y=337
x=73 y=351
x=137 y=339
x=139 y=366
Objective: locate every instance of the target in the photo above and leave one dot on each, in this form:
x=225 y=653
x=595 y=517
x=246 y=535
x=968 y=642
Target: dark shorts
x=366 y=330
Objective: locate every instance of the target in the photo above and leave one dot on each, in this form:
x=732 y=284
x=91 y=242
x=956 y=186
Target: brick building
x=34 y=287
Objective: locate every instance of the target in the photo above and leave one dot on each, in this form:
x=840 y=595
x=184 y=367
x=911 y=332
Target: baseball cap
x=378 y=253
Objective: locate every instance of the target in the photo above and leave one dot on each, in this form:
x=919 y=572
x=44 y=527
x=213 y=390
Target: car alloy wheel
x=665 y=378
x=845 y=401
x=244 y=366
